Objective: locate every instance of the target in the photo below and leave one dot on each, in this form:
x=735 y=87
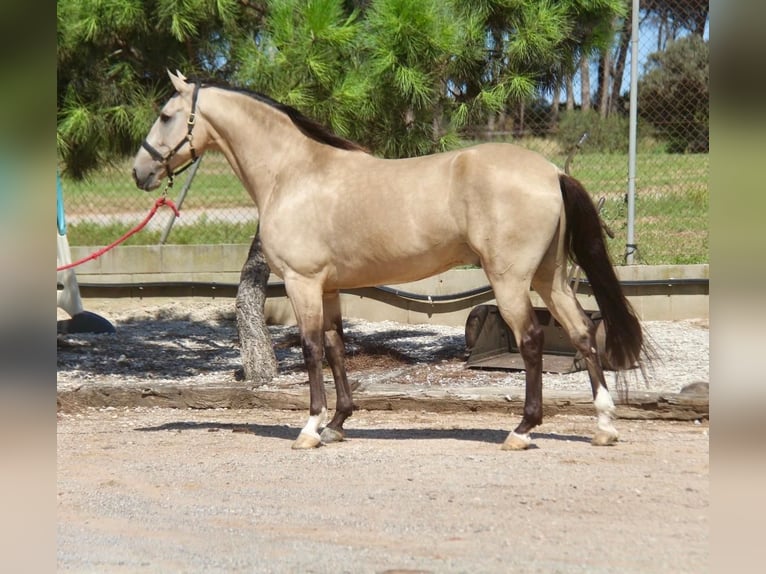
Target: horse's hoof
x=604 y=438
x=306 y=441
x=516 y=442
x=330 y=435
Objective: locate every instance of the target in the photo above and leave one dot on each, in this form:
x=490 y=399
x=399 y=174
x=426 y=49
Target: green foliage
x=538 y=42
x=305 y=56
x=605 y=135
x=674 y=94
x=112 y=59
x=401 y=76
x=409 y=47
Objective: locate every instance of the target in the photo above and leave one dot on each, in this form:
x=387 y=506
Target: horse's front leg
x=311 y=342
x=335 y=353
x=306 y=300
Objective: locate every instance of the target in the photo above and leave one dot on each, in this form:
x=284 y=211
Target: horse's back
x=443 y=188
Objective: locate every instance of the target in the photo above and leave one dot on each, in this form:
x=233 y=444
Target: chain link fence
x=672 y=162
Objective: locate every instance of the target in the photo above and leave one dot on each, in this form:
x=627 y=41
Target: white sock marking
x=605 y=410
x=314 y=422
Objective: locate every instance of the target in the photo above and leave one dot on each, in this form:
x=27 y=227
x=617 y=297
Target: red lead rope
x=157 y=204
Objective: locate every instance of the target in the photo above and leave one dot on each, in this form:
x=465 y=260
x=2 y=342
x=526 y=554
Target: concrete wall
x=179 y=270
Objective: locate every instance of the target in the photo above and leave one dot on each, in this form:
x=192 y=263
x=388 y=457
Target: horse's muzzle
x=147 y=182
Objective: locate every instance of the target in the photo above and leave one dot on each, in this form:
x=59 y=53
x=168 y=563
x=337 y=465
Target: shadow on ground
x=176 y=347
x=289 y=433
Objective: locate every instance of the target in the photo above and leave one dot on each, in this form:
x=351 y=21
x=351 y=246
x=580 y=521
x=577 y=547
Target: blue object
x=60 y=219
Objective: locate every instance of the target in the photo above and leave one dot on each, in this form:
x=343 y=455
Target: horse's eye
x=164 y=118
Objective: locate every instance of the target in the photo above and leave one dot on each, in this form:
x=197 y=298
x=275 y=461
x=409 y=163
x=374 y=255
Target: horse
x=333 y=216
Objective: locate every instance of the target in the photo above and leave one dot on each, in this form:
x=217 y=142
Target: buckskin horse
x=333 y=216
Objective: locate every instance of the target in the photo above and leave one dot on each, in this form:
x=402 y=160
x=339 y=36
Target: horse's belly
x=366 y=271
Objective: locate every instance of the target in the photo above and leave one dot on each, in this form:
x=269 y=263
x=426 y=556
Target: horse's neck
x=257 y=140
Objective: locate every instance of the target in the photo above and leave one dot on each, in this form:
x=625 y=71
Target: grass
x=90 y=233
x=111 y=191
x=671 y=226
x=671 y=204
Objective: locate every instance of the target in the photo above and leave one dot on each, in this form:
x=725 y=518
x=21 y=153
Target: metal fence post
x=180 y=200
x=630 y=242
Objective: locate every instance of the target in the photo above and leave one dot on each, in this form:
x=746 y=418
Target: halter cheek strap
x=165 y=159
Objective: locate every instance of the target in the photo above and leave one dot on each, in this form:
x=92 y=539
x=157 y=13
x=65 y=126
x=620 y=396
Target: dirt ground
x=169 y=490
x=164 y=490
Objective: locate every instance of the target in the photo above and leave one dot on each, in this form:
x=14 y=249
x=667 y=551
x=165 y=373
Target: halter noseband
x=165 y=159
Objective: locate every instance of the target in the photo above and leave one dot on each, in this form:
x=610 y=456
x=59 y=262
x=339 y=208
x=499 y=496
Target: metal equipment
x=491 y=344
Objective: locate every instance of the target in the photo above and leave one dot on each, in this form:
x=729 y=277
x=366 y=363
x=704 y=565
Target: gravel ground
x=195 y=342
x=162 y=490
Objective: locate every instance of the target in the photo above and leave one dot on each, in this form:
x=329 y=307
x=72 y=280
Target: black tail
x=587 y=247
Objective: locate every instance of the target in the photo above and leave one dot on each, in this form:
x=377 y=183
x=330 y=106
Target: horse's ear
x=179 y=82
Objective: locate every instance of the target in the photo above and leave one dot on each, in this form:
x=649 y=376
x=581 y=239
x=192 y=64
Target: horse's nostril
x=135 y=175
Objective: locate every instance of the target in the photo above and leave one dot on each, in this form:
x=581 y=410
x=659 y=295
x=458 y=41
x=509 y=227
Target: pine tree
x=404 y=77
x=112 y=59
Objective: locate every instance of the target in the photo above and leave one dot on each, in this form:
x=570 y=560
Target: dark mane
x=308 y=127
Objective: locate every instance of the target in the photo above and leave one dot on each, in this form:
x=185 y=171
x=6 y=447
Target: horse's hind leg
x=335 y=354
x=516 y=309
x=552 y=286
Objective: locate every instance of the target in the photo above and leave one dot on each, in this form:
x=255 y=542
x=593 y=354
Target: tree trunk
x=555 y=106
x=259 y=363
x=604 y=70
x=585 y=83
x=620 y=60
x=570 y=93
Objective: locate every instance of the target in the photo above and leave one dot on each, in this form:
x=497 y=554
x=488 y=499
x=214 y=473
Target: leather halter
x=165 y=159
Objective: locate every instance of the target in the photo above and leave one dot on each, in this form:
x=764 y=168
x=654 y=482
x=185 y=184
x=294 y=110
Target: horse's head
x=173 y=143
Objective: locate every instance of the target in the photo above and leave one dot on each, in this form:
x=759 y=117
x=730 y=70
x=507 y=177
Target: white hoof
x=517 y=442
x=307 y=440
x=331 y=435
x=309 y=437
x=606 y=434
x=604 y=438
